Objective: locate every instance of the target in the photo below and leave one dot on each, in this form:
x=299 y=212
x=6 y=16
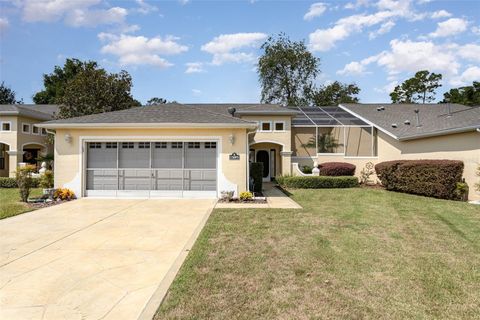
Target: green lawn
x=10 y=204
x=349 y=254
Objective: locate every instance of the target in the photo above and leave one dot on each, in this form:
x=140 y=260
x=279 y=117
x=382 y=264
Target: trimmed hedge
x=431 y=178
x=317 y=182
x=336 y=169
x=256 y=172
x=7 y=182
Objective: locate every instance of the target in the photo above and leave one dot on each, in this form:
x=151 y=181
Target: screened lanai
x=331 y=131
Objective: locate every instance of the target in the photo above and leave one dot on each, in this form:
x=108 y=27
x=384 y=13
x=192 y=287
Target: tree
x=7 y=95
x=468 y=95
x=420 y=88
x=56 y=82
x=95 y=91
x=335 y=93
x=156 y=101
x=286 y=71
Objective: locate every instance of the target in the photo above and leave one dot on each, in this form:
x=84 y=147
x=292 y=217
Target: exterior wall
x=278 y=157
x=280 y=137
x=463 y=146
x=69 y=156
x=16 y=140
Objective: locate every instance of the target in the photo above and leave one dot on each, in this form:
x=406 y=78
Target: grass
x=351 y=253
x=10 y=204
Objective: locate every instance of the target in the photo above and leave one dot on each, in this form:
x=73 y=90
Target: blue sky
x=205 y=51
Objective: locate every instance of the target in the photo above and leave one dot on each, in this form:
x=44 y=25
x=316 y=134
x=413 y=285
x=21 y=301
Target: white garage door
x=151 y=169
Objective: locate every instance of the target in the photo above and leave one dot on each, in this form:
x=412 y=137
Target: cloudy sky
x=206 y=51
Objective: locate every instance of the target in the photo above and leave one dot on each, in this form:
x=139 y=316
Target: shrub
x=431 y=178
x=246 y=195
x=307 y=169
x=6 y=182
x=24 y=181
x=336 y=169
x=366 y=173
x=256 y=172
x=46 y=180
x=64 y=194
x=477 y=185
x=317 y=182
x=461 y=191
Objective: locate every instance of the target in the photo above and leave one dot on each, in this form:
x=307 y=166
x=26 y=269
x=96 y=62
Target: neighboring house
x=21 y=140
x=199 y=150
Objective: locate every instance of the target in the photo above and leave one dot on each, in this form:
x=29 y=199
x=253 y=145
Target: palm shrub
x=24 y=179
x=46 y=180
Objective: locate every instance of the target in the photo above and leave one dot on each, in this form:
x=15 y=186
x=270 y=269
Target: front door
x=263 y=157
x=30 y=156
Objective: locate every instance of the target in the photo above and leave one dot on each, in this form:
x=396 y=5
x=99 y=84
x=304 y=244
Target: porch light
x=231 y=139
x=68 y=138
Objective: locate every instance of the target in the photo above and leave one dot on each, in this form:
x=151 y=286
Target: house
x=21 y=140
x=199 y=150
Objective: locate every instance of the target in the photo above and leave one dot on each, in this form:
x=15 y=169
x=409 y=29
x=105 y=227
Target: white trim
x=300 y=172
x=330 y=154
x=41 y=132
x=79 y=185
x=34 y=143
x=368 y=121
x=29 y=128
x=305 y=157
x=275 y=124
x=9 y=127
x=38 y=128
x=361 y=157
x=147 y=125
x=267 y=141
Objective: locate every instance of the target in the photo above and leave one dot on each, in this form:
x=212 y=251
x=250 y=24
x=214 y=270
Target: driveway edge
x=156 y=299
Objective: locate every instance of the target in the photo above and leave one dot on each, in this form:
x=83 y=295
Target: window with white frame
x=25 y=128
x=44 y=132
x=6 y=126
x=35 y=130
x=265 y=126
x=279 y=126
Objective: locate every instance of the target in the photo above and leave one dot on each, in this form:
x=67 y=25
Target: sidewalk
x=276 y=199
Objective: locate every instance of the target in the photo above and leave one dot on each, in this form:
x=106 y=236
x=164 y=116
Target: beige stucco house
x=21 y=140
x=199 y=150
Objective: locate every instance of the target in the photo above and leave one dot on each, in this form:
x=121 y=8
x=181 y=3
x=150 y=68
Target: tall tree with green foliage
x=7 y=95
x=468 y=95
x=418 y=89
x=286 y=71
x=95 y=91
x=335 y=93
x=56 y=82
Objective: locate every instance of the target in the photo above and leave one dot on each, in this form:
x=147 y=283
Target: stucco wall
x=281 y=137
x=68 y=157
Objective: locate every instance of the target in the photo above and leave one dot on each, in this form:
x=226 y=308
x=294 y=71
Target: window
x=111 y=145
x=194 y=145
x=144 y=145
x=279 y=126
x=35 y=130
x=160 y=145
x=177 y=145
x=127 y=145
x=95 y=145
x=44 y=132
x=210 y=145
x=265 y=126
x=25 y=128
x=6 y=126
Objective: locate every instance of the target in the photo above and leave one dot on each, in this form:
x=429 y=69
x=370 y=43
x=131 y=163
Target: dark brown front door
x=30 y=156
x=263 y=157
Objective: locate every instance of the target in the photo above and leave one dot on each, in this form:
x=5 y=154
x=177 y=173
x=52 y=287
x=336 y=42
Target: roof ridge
x=219 y=114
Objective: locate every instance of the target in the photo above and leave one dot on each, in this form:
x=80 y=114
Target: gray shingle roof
x=244 y=108
x=35 y=111
x=435 y=119
x=171 y=113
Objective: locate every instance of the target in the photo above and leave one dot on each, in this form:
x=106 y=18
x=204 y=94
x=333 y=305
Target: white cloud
x=384 y=28
x=449 y=27
x=196 y=92
x=183 y=2
x=440 y=14
x=194 y=67
x=476 y=30
x=389 y=10
x=316 y=10
x=357 y=67
x=3 y=24
x=357 y=4
x=73 y=12
x=467 y=77
x=230 y=47
x=140 y=50
x=470 y=52
x=144 y=7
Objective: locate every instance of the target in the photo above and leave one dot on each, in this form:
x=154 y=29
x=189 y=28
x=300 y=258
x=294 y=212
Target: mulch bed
x=243 y=201
x=39 y=205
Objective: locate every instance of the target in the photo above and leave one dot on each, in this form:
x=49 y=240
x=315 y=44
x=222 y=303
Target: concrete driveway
x=94 y=258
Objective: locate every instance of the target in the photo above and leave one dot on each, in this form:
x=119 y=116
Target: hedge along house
x=21 y=140
x=199 y=150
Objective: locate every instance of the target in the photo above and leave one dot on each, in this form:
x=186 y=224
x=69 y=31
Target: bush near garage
x=336 y=169
x=431 y=178
x=317 y=182
x=7 y=182
x=256 y=172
